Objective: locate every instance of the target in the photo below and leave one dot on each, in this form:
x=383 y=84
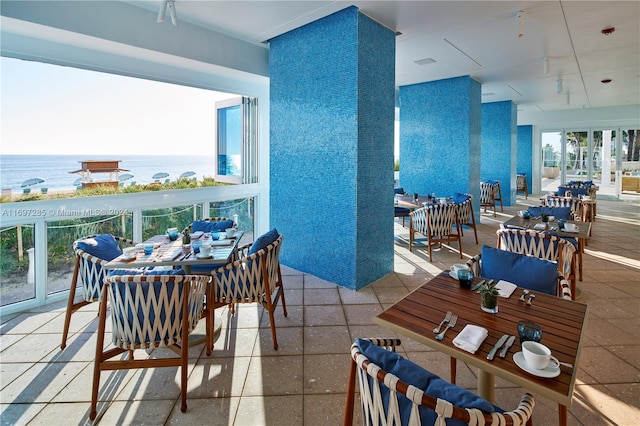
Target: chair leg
x=184 y=347
x=70 y=305
x=351 y=391
x=102 y=313
x=454 y=366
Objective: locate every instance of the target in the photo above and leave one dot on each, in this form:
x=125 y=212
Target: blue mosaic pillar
x=499 y=147
x=525 y=153
x=440 y=138
x=331 y=147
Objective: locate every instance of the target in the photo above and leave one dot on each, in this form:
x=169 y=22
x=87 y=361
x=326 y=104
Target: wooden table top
x=562 y=322
x=584 y=228
x=169 y=253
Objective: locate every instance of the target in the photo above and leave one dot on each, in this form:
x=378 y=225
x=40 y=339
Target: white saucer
x=201 y=256
x=548 y=372
x=452 y=275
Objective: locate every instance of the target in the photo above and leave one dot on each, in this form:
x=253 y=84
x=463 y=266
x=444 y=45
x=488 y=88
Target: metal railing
x=36 y=258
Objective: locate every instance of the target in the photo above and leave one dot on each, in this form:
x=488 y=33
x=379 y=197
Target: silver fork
x=446 y=319
x=452 y=323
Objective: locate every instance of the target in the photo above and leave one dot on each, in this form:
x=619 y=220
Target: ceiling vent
x=425 y=61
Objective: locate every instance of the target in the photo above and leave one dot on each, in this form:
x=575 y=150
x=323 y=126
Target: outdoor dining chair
x=542 y=246
x=486 y=197
x=255 y=277
x=465 y=213
x=436 y=222
x=521 y=185
x=394 y=390
x=91 y=252
x=402 y=212
x=497 y=193
x=147 y=312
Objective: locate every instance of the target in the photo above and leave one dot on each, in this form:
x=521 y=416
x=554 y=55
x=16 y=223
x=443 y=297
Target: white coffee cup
x=231 y=232
x=205 y=249
x=129 y=252
x=455 y=268
x=571 y=227
x=538 y=356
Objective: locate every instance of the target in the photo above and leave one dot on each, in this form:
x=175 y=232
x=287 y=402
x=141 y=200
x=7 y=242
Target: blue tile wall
x=331 y=147
x=440 y=129
x=525 y=153
x=499 y=147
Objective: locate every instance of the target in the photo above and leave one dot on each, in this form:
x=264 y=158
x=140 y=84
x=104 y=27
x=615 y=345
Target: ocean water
x=54 y=169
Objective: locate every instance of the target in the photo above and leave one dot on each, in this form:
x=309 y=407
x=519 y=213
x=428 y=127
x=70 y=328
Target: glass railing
x=36 y=238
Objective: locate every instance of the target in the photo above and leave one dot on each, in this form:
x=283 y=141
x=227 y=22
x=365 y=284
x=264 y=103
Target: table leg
x=486 y=386
x=199 y=334
x=562 y=415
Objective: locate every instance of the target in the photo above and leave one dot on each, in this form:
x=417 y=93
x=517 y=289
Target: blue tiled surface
x=331 y=138
x=525 y=152
x=440 y=124
x=499 y=146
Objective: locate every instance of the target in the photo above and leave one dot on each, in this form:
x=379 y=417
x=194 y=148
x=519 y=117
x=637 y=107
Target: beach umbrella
x=160 y=175
x=125 y=176
x=187 y=174
x=32 y=181
x=77 y=182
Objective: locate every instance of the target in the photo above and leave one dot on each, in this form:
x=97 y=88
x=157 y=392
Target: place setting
x=536 y=358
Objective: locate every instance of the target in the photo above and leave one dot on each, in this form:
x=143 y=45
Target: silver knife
x=493 y=351
x=507 y=345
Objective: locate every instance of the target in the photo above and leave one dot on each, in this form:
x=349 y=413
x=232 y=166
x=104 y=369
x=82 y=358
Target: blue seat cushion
x=402 y=210
x=399 y=190
x=423 y=379
x=459 y=198
x=264 y=240
x=102 y=246
x=525 y=271
x=211 y=226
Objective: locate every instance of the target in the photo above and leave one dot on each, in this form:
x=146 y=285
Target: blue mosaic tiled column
x=331 y=147
x=499 y=147
x=525 y=153
x=440 y=138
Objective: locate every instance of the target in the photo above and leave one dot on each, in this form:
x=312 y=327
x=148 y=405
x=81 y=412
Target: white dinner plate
x=548 y=372
x=201 y=256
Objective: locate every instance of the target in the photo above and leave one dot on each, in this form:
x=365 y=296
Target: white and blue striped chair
x=255 y=277
x=395 y=391
x=148 y=311
x=91 y=252
x=543 y=246
x=436 y=222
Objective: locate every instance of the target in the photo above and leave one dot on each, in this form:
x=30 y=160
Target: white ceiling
x=476 y=38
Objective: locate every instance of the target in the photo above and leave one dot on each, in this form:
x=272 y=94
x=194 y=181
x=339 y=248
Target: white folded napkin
x=540 y=226
x=470 y=338
x=505 y=288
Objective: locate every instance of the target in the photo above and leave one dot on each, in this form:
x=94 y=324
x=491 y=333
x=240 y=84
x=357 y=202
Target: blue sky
x=49 y=109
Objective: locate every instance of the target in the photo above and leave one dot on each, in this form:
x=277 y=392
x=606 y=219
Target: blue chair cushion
x=459 y=198
x=264 y=240
x=402 y=210
x=399 y=190
x=211 y=226
x=525 y=271
x=102 y=246
x=423 y=379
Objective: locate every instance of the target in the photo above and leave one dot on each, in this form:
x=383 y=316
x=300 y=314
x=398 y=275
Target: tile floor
x=246 y=382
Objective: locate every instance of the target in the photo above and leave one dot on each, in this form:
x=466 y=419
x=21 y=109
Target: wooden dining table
x=562 y=322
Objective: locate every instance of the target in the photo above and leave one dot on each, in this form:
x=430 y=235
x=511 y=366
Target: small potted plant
x=489 y=297
x=544 y=217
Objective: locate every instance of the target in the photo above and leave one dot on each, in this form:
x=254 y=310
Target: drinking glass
x=465 y=276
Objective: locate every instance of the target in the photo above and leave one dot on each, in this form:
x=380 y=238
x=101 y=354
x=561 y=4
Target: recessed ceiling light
x=488 y=94
x=605 y=81
x=425 y=61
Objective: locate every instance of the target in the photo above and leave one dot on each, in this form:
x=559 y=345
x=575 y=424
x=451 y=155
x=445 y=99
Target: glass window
x=236 y=140
x=17 y=264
